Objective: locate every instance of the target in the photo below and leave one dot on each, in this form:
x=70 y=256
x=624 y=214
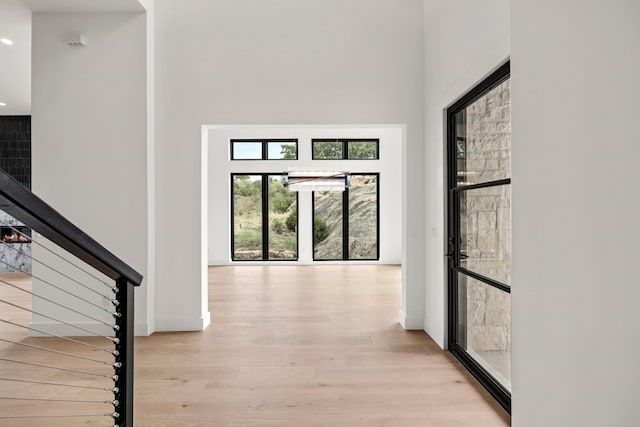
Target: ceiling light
x=2 y=104
x=6 y=41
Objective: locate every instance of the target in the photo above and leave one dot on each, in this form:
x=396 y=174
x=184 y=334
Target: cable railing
x=66 y=320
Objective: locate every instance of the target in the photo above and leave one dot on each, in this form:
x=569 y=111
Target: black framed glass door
x=346 y=225
x=264 y=221
x=479 y=232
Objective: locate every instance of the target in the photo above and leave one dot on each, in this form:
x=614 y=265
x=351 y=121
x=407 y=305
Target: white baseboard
x=143 y=329
x=439 y=336
x=411 y=323
x=175 y=324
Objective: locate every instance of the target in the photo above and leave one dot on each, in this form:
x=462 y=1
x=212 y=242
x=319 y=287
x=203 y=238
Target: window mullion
x=265 y=216
x=345 y=225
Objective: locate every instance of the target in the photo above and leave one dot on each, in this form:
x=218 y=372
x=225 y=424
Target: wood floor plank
x=299 y=346
x=317 y=346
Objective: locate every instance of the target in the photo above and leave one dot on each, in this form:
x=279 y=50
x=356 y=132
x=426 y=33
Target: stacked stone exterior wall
x=486 y=224
x=14 y=257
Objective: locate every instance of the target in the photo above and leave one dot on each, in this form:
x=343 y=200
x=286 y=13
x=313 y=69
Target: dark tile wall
x=15 y=147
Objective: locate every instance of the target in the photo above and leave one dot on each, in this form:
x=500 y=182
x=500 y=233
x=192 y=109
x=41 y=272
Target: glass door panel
x=479 y=233
x=327 y=225
x=483 y=137
x=484 y=326
x=283 y=205
x=247 y=217
x=265 y=222
x=346 y=224
x=363 y=217
x=485 y=232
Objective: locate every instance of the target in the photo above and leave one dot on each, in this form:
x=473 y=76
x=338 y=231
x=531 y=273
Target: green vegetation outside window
x=345 y=149
x=264 y=218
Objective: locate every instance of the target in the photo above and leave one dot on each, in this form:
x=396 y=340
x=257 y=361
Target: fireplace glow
x=15 y=234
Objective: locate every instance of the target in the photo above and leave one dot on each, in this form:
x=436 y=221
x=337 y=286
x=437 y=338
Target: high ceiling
x=15 y=74
x=15 y=25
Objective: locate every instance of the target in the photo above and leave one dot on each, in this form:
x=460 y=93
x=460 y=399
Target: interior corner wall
x=89 y=130
x=576 y=323
x=150 y=279
x=464 y=41
x=256 y=62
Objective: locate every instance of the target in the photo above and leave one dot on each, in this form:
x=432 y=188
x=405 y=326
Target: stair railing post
x=123 y=367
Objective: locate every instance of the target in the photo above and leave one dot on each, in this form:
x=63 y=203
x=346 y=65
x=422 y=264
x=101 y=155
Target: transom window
x=345 y=149
x=264 y=149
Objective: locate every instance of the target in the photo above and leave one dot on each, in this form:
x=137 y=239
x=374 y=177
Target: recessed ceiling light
x=2 y=104
x=6 y=41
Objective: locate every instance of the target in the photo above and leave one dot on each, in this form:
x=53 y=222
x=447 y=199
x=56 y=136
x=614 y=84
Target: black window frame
x=345 y=147
x=345 y=223
x=265 y=219
x=454 y=190
x=264 y=147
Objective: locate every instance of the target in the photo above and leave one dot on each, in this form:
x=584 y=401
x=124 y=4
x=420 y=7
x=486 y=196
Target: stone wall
x=14 y=256
x=486 y=219
x=488 y=136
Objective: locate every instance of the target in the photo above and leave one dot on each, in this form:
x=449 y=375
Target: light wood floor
x=82 y=372
x=302 y=346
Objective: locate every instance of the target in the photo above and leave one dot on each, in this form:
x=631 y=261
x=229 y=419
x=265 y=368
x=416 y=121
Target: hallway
x=305 y=346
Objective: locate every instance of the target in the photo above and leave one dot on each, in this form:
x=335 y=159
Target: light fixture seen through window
x=317 y=180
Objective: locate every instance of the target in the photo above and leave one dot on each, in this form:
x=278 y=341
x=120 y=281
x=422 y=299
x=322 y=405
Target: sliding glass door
x=264 y=218
x=479 y=233
x=346 y=224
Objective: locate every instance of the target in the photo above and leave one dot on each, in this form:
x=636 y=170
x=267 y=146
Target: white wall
x=89 y=131
x=389 y=166
x=576 y=145
x=150 y=277
x=464 y=41
x=256 y=62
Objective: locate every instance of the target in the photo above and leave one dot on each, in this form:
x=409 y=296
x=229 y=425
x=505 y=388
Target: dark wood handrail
x=26 y=207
